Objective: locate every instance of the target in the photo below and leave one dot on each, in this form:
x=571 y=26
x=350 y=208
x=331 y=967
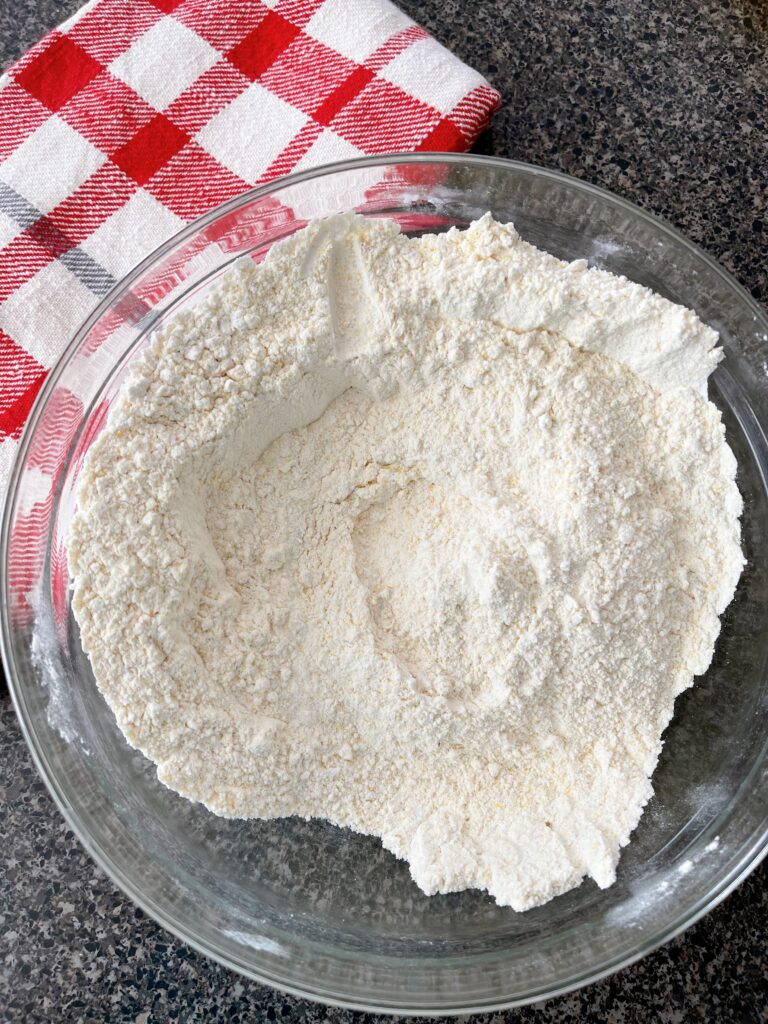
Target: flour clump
x=422 y=536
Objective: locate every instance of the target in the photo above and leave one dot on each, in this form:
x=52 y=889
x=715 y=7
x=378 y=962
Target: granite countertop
x=664 y=104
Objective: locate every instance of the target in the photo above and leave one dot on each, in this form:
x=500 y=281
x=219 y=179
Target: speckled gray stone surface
x=663 y=103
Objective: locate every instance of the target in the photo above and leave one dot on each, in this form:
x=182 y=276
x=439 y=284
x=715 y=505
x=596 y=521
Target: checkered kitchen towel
x=137 y=116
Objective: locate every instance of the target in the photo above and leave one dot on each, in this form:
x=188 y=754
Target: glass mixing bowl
x=303 y=906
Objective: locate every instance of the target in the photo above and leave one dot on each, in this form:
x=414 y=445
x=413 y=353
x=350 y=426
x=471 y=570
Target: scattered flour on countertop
x=422 y=536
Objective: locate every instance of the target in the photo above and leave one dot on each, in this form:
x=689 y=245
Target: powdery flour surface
x=422 y=536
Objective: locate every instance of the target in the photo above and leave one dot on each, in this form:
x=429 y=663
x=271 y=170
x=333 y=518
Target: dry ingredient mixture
x=421 y=536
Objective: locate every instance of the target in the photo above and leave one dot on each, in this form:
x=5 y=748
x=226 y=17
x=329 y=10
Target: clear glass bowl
x=301 y=905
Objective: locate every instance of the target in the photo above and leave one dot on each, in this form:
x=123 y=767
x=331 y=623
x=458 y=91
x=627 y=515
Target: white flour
x=419 y=536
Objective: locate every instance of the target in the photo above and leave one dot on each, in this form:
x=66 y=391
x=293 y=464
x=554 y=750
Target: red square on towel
x=261 y=47
x=167 y=5
x=58 y=73
x=22 y=376
x=150 y=148
x=444 y=137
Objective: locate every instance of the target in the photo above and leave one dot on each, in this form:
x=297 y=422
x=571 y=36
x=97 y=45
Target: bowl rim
x=743 y=866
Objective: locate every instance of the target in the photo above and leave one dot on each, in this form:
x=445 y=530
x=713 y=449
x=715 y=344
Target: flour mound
x=423 y=537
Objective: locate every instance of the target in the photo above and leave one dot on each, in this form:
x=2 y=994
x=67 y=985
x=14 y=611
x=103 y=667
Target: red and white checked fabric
x=136 y=116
